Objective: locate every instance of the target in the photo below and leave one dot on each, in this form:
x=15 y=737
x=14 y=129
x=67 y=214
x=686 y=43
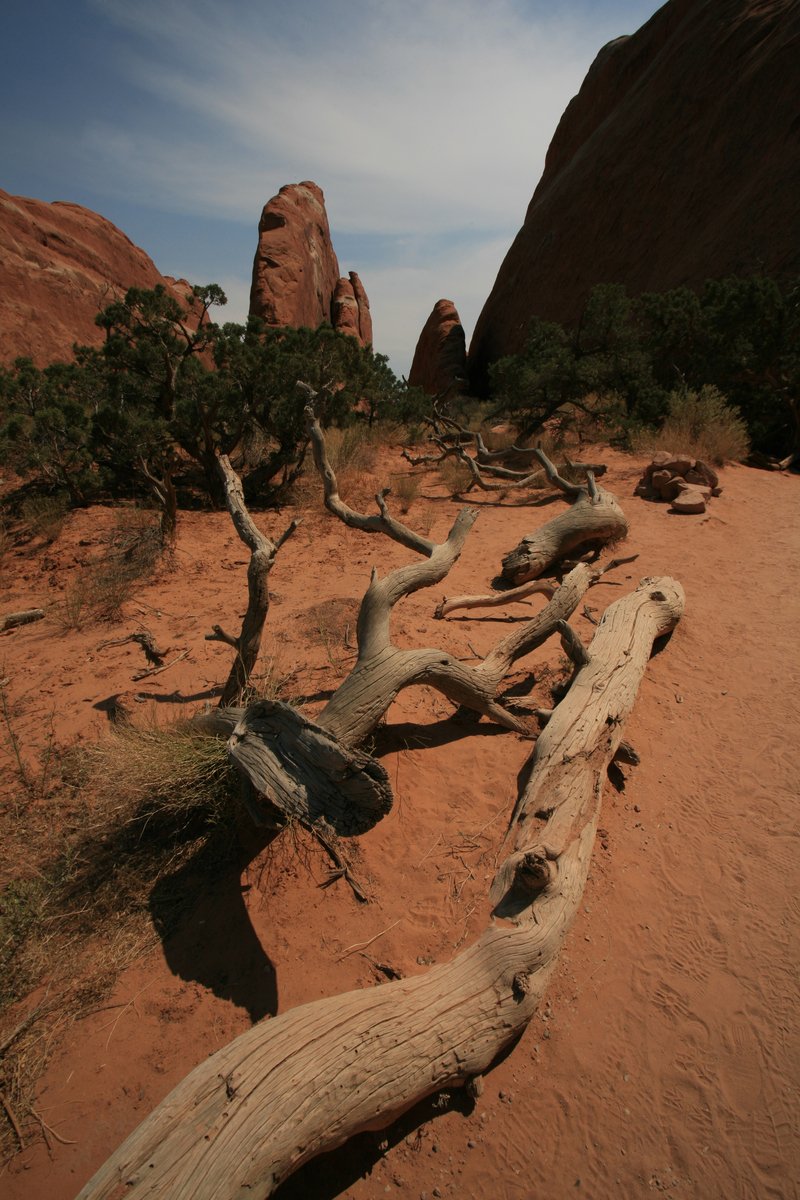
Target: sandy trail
x=666 y=1059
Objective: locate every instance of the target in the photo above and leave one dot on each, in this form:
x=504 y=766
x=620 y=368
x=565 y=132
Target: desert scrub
x=132 y=551
x=105 y=864
x=701 y=424
x=44 y=516
x=455 y=476
x=352 y=448
x=405 y=489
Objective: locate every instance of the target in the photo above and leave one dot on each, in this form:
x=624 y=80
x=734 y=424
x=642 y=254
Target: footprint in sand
x=697 y=955
x=673 y=1003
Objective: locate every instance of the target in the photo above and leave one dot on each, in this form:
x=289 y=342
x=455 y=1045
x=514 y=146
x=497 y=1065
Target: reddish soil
x=665 y=1059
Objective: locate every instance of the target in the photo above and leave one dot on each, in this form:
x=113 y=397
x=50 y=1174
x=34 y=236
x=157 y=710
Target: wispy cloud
x=420 y=119
x=421 y=116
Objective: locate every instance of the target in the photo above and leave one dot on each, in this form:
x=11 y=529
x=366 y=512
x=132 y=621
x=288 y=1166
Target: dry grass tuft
x=405 y=489
x=98 y=863
x=701 y=424
x=44 y=516
x=133 y=548
x=455 y=476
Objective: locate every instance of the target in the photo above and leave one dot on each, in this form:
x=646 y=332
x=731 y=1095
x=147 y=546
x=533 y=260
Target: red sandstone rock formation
x=364 y=314
x=296 y=273
x=344 y=310
x=295 y=269
x=59 y=264
x=678 y=160
x=440 y=359
x=350 y=310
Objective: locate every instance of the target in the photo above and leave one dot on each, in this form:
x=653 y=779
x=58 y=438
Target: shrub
x=455 y=476
x=44 y=516
x=701 y=424
x=405 y=489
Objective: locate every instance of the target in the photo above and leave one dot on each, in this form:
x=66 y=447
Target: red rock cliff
x=678 y=160
x=60 y=264
x=296 y=273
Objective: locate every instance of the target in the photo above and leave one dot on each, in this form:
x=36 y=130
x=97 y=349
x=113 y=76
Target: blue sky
x=425 y=122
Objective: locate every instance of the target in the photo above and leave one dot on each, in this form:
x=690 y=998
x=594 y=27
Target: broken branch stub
x=593 y=517
x=305 y=772
x=303 y=1083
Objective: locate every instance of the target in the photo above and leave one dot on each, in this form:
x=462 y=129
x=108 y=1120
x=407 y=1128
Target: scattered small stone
x=689 y=501
x=686 y=483
x=636 y=808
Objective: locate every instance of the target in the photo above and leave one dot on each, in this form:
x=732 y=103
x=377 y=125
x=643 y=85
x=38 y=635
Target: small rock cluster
x=687 y=483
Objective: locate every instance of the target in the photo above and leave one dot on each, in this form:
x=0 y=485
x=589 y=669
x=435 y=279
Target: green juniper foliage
x=148 y=411
x=739 y=335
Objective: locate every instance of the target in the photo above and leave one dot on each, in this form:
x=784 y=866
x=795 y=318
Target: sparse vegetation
x=80 y=893
x=701 y=424
x=454 y=475
x=619 y=367
x=44 y=516
x=147 y=414
x=405 y=489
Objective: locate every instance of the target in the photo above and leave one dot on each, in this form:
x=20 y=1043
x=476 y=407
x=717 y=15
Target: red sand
x=665 y=1059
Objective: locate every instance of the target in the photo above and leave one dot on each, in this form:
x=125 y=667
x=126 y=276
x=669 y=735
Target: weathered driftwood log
x=281 y=767
x=297 y=773
x=12 y=620
x=451 y=438
x=326 y=779
x=286 y=759
x=262 y=555
x=306 y=1081
x=593 y=517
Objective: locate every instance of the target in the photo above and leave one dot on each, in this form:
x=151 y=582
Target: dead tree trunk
x=593 y=517
x=305 y=1082
x=311 y=770
x=262 y=555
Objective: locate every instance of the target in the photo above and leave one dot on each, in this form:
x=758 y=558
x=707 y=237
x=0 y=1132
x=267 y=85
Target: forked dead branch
x=314 y=771
x=308 y=1080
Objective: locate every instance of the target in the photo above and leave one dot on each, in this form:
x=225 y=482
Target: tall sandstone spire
x=296 y=279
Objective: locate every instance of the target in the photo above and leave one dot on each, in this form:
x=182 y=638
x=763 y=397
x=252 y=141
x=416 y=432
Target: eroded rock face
x=364 y=314
x=350 y=310
x=59 y=265
x=440 y=359
x=678 y=161
x=296 y=272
